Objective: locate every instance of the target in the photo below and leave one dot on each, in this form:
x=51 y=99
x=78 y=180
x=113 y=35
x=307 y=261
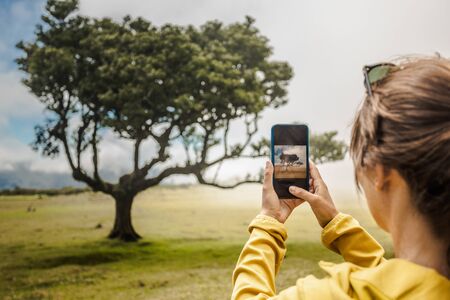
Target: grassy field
x=55 y=247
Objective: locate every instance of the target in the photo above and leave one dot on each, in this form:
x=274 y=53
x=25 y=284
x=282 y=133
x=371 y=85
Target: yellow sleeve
x=260 y=260
x=345 y=236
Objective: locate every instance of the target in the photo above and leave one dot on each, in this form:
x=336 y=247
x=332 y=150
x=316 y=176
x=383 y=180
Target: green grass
x=50 y=247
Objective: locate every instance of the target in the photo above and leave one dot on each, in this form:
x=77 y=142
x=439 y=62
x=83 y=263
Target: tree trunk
x=123 y=229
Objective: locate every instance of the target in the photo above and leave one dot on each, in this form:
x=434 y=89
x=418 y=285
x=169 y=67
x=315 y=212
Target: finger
x=315 y=174
x=311 y=186
x=268 y=172
x=302 y=194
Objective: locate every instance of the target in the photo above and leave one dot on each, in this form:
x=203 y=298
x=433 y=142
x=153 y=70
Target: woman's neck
x=413 y=240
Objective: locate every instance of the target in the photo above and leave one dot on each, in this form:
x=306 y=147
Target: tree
x=325 y=148
x=171 y=84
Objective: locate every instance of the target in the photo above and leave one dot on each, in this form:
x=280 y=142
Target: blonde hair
x=405 y=125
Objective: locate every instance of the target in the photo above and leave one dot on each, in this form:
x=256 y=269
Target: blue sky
x=326 y=41
x=17 y=20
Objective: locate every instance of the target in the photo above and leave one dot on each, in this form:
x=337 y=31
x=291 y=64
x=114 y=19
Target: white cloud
x=14 y=152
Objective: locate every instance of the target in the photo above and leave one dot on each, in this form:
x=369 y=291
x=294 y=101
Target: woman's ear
x=381 y=176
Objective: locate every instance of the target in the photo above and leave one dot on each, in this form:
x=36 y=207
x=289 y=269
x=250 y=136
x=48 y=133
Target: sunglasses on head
x=375 y=73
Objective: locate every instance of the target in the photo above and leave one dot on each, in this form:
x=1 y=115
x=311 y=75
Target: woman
x=400 y=147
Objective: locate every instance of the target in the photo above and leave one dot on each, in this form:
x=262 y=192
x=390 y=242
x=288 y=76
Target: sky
x=326 y=43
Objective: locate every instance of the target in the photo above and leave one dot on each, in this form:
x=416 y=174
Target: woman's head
x=404 y=127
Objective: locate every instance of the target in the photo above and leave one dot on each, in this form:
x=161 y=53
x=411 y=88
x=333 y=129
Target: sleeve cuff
x=329 y=234
x=269 y=225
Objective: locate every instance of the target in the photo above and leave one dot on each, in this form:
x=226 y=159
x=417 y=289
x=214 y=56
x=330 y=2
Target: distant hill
x=25 y=178
x=21 y=176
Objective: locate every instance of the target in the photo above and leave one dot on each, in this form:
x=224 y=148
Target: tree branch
x=250 y=132
x=186 y=150
x=238 y=149
x=95 y=151
x=227 y=186
x=80 y=133
x=202 y=180
x=163 y=141
x=225 y=137
x=200 y=166
x=136 y=153
x=67 y=151
x=149 y=182
x=206 y=145
x=217 y=171
x=78 y=174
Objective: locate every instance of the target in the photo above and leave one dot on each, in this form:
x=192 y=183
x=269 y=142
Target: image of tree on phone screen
x=290 y=161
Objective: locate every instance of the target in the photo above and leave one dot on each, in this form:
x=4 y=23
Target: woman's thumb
x=302 y=194
x=268 y=172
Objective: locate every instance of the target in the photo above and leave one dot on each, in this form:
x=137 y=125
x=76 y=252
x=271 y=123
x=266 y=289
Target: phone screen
x=289 y=154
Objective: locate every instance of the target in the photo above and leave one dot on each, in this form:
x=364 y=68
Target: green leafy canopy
x=170 y=83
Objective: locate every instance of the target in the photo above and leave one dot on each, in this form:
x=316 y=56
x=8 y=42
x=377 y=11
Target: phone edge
x=307 y=152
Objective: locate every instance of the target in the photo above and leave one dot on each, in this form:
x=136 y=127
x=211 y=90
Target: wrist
x=271 y=214
x=270 y=225
x=331 y=215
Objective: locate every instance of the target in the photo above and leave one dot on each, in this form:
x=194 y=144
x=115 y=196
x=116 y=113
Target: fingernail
x=267 y=164
x=292 y=188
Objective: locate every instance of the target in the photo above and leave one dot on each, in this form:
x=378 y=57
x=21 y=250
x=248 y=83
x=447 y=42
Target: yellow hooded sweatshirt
x=365 y=274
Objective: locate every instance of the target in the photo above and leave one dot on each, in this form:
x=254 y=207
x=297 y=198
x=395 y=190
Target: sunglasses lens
x=378 y=73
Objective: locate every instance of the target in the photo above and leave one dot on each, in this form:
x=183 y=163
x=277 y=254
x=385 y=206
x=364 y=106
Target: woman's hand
x=271 y=205
x=318 y=197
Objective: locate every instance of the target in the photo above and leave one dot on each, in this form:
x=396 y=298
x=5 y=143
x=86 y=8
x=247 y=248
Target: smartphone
x=290 y=158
